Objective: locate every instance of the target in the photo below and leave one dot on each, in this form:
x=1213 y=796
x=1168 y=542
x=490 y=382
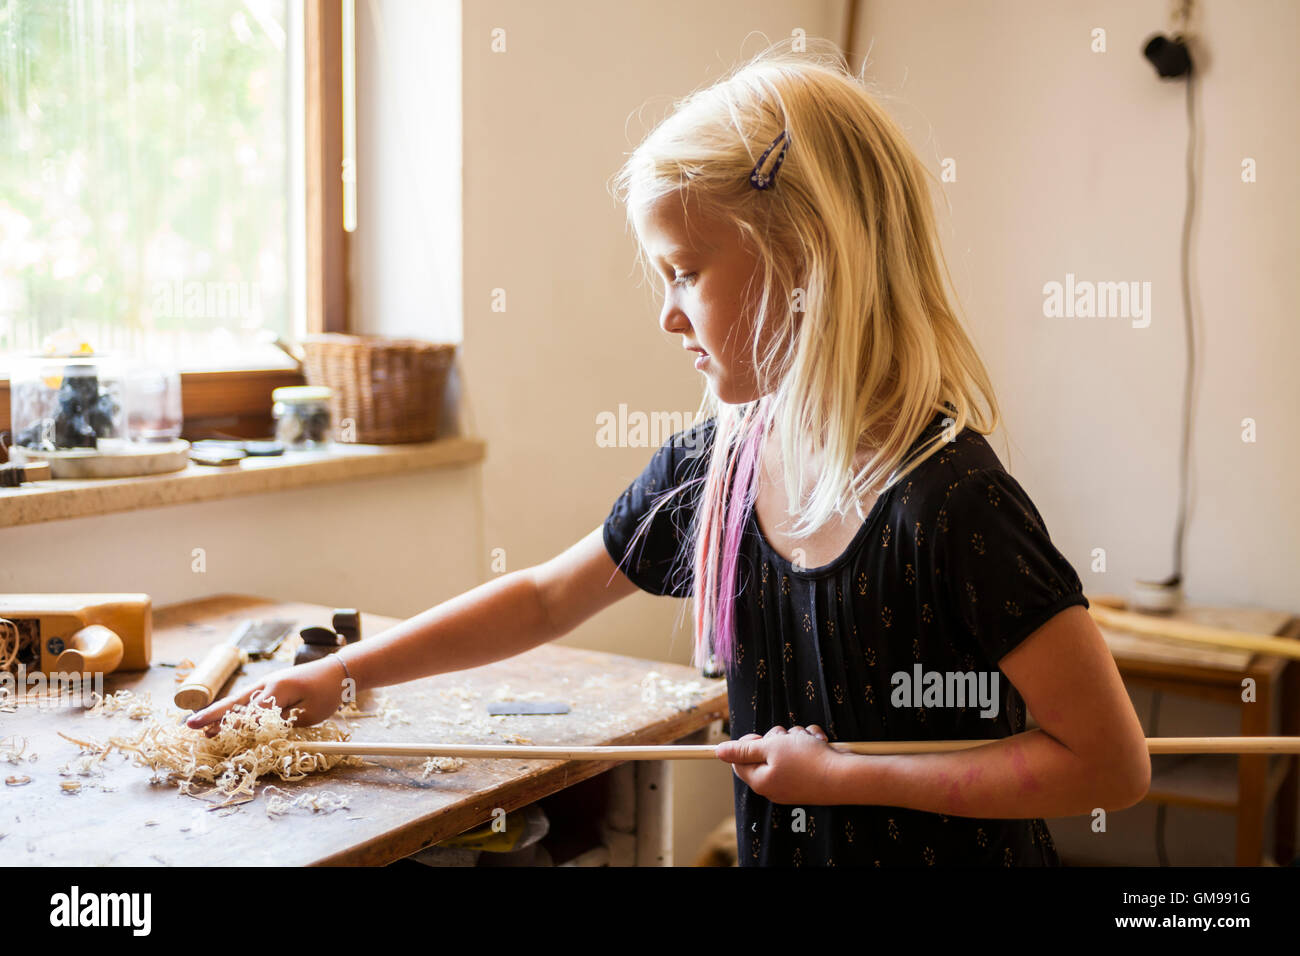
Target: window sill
x=55 y=500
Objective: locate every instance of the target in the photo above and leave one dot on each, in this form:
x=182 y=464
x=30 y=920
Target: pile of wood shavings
x=122 y=702
x=249 y=744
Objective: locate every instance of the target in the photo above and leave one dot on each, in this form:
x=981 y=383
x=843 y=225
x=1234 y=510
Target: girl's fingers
x=816 y=731
x=748 y=749
x=776 y=730
x=214 y=710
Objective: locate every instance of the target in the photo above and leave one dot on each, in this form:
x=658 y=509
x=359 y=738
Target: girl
x=862 y=565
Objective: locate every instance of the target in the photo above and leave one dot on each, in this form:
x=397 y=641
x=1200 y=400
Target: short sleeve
x=655 y=560
x=994 y=561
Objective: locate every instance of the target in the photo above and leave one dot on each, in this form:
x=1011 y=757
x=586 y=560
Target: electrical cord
x=1189 y=375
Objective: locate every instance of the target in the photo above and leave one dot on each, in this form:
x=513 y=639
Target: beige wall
x=378 y=544
x=1072 y=161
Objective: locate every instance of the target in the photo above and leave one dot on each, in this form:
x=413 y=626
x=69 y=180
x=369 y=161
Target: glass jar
x=153 y=403
x=68 y=402
x=302 y=416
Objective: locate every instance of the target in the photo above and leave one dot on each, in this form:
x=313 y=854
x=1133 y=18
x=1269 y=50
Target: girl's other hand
x=786 y=766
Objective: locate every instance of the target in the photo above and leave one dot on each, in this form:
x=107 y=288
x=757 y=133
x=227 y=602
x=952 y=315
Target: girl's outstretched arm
x=497 y=619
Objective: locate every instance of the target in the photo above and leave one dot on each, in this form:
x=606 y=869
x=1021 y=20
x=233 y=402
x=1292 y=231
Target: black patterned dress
x=952 y=569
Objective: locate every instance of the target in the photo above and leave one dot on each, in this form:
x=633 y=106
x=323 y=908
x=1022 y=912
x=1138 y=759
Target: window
x=151 y=177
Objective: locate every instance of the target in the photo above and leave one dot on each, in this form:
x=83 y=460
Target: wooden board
x=1141 y=647
x=120 y=819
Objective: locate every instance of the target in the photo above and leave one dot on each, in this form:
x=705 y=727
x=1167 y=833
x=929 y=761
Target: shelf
x=56 y=500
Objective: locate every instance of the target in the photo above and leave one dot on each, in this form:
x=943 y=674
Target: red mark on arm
x=1020 y=765
x=954 y=788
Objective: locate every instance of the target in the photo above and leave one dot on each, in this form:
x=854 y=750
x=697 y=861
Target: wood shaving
x=440 y=765
x=17 y=780
x=385 y=710
x=122 y=702
x=184 y=669
x=70 y=786
x=351 y=710
x=249 y=744
x=278 y=802
x=11 y=642
x=84 y=766
x=516 y=739
x=14 y=749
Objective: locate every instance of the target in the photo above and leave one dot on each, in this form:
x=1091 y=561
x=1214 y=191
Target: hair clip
x=760 y=180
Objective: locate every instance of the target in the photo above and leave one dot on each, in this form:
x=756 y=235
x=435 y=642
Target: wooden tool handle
x=1155 y=745
x=201 y=687
x=94 y=649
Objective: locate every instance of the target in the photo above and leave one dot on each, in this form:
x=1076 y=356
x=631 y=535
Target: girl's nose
x=672 y=319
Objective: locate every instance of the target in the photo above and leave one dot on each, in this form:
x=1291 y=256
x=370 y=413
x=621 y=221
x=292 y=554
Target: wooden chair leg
x=1252 y=777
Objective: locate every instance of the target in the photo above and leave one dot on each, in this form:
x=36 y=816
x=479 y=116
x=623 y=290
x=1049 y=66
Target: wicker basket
x=391 y=389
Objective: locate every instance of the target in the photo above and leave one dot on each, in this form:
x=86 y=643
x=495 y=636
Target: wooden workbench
x=119 y=818
x=1254 y=783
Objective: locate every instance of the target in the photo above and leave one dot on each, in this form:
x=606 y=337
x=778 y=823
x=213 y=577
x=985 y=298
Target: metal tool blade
x=259 y=639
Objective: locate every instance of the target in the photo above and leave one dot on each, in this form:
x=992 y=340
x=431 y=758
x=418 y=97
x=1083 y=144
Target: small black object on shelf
x=320 y=641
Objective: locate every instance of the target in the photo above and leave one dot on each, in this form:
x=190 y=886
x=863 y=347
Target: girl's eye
x=686 y=279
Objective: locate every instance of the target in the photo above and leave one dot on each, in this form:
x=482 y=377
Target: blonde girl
x=862 y=566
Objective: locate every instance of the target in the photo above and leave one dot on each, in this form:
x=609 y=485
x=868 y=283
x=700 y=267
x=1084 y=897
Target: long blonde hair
x=863 y=344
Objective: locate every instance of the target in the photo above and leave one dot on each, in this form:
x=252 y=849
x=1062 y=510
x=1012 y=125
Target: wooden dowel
x=1152 y=625
x=1156 y=745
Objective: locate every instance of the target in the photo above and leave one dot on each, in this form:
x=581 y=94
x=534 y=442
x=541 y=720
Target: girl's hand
x=316 y=688
x=787 y=767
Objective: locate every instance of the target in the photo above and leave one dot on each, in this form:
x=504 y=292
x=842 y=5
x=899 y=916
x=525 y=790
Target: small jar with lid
x=302 y=416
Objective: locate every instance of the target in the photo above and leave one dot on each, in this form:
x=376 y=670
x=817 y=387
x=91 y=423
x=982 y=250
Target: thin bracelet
x=346 y=673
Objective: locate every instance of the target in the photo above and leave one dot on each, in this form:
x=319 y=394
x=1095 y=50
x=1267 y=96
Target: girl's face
x=706 y=270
